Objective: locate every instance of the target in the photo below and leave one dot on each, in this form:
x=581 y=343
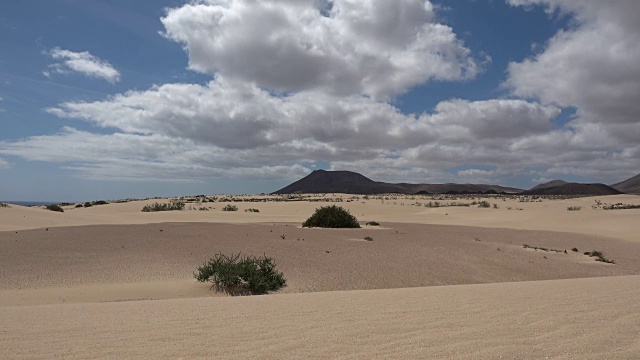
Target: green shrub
x=241 y=275
x=484 y=204
x=172 y=205
x=599 y=255
x=332 y=217
x=88 y=204
x=230 y=207
x=54 y=207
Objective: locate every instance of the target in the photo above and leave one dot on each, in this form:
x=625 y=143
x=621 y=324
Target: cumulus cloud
x=591 y=66
x=83 y=63
x=378 y=48
x=232 y=124
x=296 y=82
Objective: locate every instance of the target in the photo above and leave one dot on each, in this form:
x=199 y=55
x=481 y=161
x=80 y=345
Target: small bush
x=574 y=208
x=88 y=204
x=3 y=205
x=599 y=255
x=54 y=207
x=241 y=275
x=230 y=207
x=575 y=249
x=252 y=210
x=484 y=204
x=372 y=223
x=332 y=217
x=78 y=206
x=172 y=205
x=368 y=238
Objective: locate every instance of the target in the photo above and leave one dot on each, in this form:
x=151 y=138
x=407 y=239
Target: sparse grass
x=54 y=207
x=230 y=207
x=574 y=208
x=368 y=238
x=599 y=255
x=536 y=248
x=241 y=275
x=332 y=217
x=252 y=210
x=170 y=206
x=372 y=223
x=620 y=206
x=484 y=204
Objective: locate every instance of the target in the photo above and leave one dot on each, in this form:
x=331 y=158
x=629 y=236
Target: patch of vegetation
x=78 y=206
x=88 y=204
x=495 y=206
x=230 y=207
x=170 y=206
x=3 y=205
x=599 y=255
x=575 y=249
x=536 y=248
x=484 y=204
x=241 y=275
x=368 y=238
x=252 y=210
x=332 y=217
x=372 y=223
x=54 y=207
x=620 y=206
x=574 y=208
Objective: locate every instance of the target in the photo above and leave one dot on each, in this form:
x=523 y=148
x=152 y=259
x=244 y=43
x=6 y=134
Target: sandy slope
x=545 y=215
x=564 y=319
x=66 y=281
x=115 y=262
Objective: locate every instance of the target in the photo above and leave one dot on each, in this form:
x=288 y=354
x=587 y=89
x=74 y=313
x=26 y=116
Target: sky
x=128 y=99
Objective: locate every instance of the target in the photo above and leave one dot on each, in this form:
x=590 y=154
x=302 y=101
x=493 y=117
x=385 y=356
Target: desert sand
x=450 y=282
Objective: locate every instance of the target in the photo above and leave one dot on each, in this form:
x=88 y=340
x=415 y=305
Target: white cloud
x=4 y=164
x=593 y=65
x=83 y=63
x=230 y=124
x=378 y=48
x=331 y=66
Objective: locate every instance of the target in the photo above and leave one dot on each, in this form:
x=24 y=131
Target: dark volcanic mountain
x=550 y=184
x=574 y=189
x=348 y=182
x=629 y=186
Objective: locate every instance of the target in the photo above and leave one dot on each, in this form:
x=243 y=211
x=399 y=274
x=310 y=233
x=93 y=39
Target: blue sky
x=114 y=99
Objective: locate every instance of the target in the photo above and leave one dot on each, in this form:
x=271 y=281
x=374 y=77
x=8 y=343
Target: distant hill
x=348 y=182
x=549 y=184
x=629 y=186
x=574 y=189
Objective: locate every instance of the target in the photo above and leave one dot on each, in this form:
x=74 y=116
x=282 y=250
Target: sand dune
x=112 y=282
x=75 y=264
x=563 y=319
x=512 y=214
